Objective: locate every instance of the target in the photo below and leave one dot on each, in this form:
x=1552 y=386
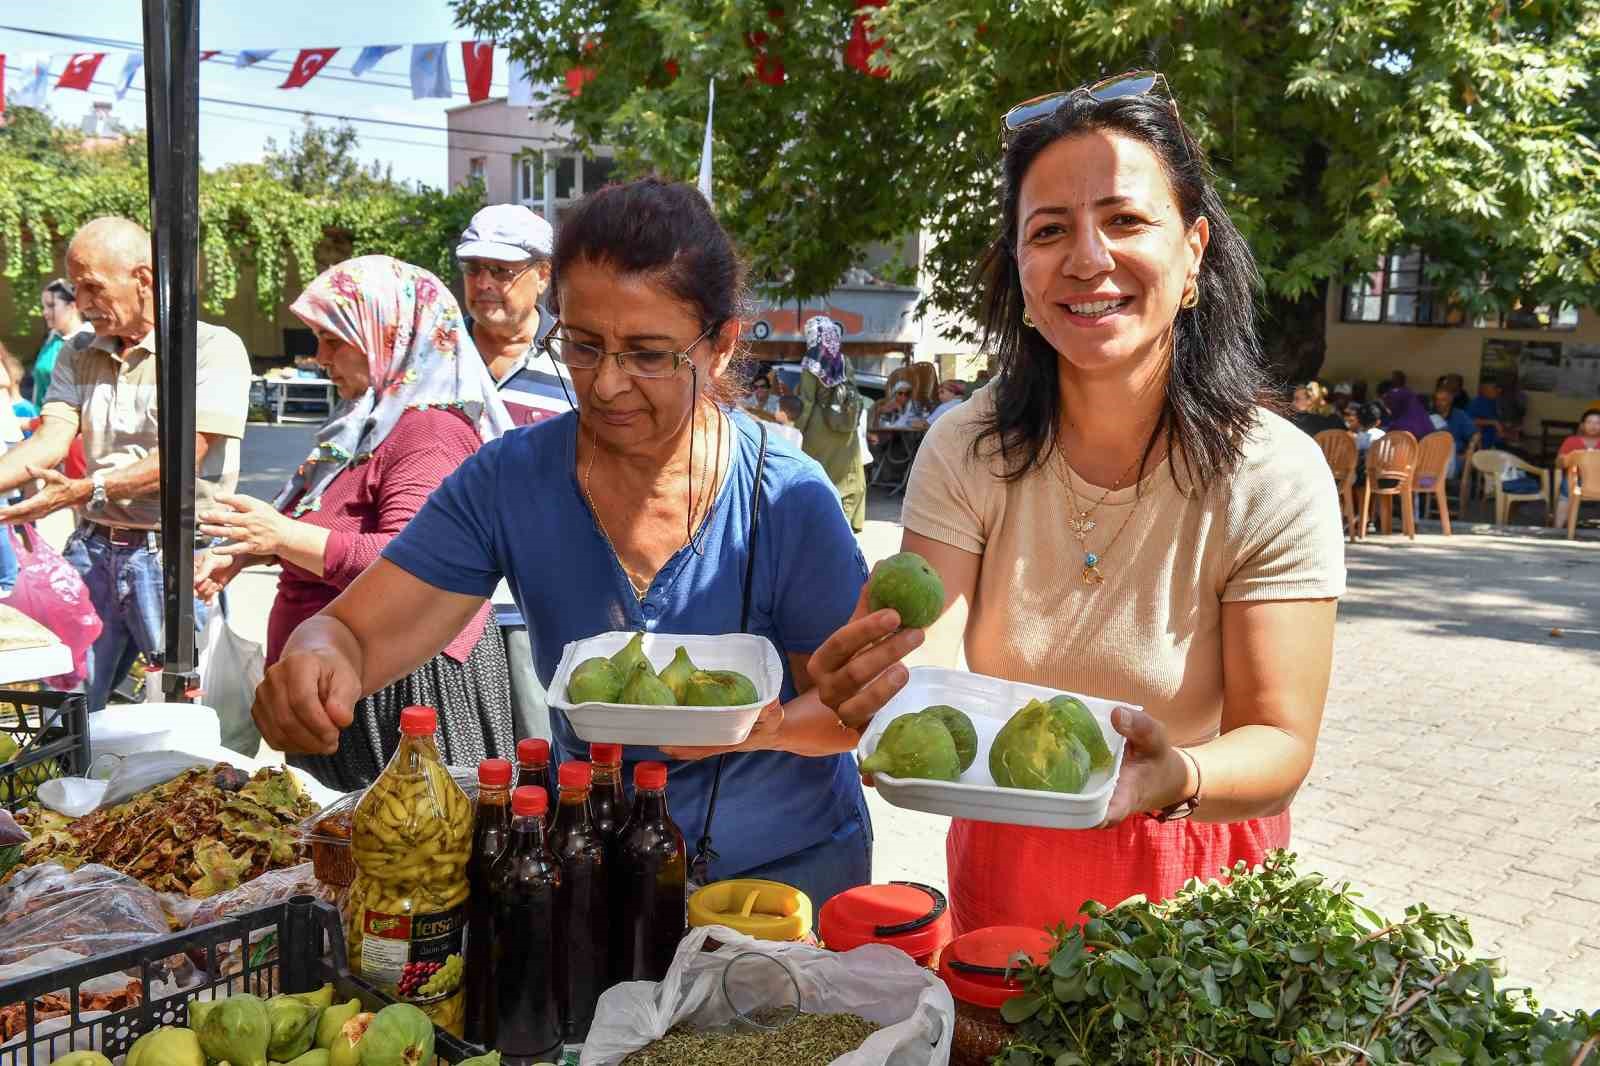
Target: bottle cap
x=528 y=801
x=651 y=776
x=533 y=751
x=575 y=774
x=419 y=721
x=605 y=754
x=494 y=773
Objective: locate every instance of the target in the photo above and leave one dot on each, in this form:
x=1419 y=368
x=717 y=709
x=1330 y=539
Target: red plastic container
x=981 y=975
x=903 y=914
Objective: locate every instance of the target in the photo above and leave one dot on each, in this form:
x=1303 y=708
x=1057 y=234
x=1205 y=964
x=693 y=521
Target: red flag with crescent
x=306 y=66
x=80 y=71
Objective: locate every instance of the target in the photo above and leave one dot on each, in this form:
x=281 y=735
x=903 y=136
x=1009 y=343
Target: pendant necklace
x=1083 y=522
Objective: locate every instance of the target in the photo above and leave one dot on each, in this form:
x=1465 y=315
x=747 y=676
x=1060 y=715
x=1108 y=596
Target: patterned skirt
x=473 y=699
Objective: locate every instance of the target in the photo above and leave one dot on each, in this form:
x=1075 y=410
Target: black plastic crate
x=51 y=731
x=295 y=946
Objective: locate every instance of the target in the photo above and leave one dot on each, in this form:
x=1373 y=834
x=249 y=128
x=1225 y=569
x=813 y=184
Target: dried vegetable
x=808 y=1040
x=201 y=833
x=14 y=1016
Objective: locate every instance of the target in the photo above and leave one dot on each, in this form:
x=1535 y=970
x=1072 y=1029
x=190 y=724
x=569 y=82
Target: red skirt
x=1017 y=875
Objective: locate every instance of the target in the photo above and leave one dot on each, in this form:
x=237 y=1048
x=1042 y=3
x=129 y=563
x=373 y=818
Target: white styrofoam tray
x=621 y=723
x=990 y=702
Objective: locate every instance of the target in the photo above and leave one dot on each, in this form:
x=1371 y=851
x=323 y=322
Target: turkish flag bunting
x=769 y=68
x=306 y=66
x=577 y=78
x=207 y=55
x=858 y=53
x=80 y=71
x=478 y=58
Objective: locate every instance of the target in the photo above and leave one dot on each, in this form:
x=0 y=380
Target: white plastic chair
x=1494 y=464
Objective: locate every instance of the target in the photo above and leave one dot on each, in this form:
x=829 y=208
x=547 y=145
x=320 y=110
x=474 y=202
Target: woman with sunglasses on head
x=655 y=505
x=1121 y=514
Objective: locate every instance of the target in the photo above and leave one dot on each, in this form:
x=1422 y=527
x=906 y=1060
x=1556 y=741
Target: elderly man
x=505 y=260
x=104 y=385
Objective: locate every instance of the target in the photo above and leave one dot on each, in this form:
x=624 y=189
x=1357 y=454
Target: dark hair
x=1586 y=414
x=1385 y=388
x=760 y=380
x=1370 y=413
x=1216 y=375
x=1398 y=378
x=63 y=290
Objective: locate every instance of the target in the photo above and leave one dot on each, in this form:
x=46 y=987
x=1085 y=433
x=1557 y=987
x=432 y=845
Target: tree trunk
x=1294 y=335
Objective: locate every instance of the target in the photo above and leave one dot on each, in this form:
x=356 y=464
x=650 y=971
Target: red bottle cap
x=651 y=776
x=533 y=751
x=528 y=801
x=606 y=754
x=419 y=721
x=914 y=918
x=494 y=773
x=979 y=967
x=575 y=774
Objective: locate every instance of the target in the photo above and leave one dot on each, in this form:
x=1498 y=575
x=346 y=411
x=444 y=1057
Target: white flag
x=249 y=57
x=519 y=93
x=430 y=72
x=36 y=87
x=130 y=70
x=705 y=149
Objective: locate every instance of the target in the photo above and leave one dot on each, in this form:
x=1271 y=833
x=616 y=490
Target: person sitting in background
x=950 y=395
x=1456 y=386
x=1447 y=416
x=1586 y=439
x=783 y=420
x=1406 y=409
x=1339 y=400
x=1485 y=413
x=761 y=399
x=1311 y=417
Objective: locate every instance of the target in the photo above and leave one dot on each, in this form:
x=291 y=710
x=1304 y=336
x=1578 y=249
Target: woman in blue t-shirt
x=634 y=513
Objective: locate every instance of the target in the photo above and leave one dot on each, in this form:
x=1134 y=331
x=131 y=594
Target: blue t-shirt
x=1483 y=407
x=516 y=509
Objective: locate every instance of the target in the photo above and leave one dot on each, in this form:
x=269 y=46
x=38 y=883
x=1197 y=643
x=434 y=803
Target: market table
x=34 y=664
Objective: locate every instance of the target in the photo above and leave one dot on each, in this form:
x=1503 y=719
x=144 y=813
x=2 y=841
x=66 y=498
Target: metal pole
x=172 y=113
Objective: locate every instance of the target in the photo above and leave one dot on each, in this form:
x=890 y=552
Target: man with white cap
x=505 y=266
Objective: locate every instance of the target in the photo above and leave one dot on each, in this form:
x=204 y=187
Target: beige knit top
x=1151 y=634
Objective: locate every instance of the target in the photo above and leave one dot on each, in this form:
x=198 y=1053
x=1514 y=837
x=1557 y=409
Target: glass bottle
x=533 y=767
x=491 y=833
x=583 y=903
x=523 y=886
x=652 y=873
x=606 y=800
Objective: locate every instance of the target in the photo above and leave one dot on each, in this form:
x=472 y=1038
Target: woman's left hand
x=251 y=526
x=1154 y=773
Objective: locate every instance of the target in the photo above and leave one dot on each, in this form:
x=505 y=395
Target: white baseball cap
x=508 y=233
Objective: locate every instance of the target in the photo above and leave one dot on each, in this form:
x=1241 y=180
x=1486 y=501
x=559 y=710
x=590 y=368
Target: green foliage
x=1336 y=127
x=1277 y=969
x=287 y=218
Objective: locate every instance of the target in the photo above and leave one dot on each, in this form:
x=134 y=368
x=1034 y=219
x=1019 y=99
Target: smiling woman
x=1129 y=435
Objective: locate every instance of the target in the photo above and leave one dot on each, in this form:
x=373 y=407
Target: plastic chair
x=1391 y=458
x=1339 y=448
x=1493 y=463
x=925 y=383
x=1434 y=453
x=1583 y=484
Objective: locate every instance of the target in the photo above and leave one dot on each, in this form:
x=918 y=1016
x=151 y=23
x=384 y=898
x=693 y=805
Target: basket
x=294 y=946
x=51 y=734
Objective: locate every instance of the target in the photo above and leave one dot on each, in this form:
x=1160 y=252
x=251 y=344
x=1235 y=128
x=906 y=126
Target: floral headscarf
x=823 y=357
x=419 y=355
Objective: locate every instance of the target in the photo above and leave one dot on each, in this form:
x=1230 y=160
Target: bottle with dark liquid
x=533 y=767
x=491 y=832
x=606 y=800
x=652 y=874
x=583 y=903
x=527 y=977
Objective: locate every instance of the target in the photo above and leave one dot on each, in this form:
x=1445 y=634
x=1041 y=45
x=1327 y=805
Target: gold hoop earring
x=1027 y=319
x=1191 y=299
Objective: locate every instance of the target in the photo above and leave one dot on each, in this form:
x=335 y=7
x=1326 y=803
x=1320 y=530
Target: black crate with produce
x=42 y=735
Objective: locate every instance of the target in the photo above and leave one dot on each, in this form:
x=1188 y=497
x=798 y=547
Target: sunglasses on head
x=1130 y=83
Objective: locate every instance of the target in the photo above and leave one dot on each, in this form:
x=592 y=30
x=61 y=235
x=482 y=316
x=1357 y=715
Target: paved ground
x=1460 y=759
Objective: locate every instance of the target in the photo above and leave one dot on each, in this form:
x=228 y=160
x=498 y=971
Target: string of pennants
x=430 y=65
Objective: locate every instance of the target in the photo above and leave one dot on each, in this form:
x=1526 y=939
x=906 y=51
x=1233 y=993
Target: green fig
x=400 y=1035
x=961 y=731
x=83 y=1058
x=237 y=1029
x=346 y=1047
x=315 y=1057
x=321 y=999
x=644 y=688
x=594 y=681
x=718 y=688
x=676 y=674
x=491 y=1059
x=1038 y=749
x=629 y=657
x=915 y=746
x=294 y=1026
x=333 y=1020
x=198 y=1008
x=168 y=1046
x=1086 y=728
x=908 y=584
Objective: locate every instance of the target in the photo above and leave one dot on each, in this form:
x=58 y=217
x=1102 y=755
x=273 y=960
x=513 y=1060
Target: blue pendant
x=1091 y=559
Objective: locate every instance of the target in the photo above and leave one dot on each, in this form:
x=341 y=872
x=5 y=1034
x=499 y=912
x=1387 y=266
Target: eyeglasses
x=644 y=363
x=1131 y=83
x=501 y=275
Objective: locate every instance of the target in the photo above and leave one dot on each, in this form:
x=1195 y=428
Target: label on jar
x=418 y=954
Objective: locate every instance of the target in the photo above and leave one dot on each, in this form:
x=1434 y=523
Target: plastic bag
x=230 y=669
x=72 y=796
x=877 y=982
x=91 y=910
x=51 y=592
x=142 y=771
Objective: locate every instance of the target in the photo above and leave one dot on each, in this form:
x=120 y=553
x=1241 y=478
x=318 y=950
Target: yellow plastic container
x=406 y=917
x=766 y=910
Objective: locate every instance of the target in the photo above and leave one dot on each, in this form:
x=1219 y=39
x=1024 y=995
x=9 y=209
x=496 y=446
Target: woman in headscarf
x=417 y=402
x=829 y=414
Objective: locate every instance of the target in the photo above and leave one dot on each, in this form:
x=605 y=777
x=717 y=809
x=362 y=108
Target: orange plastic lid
x=914 y=918
x=980 y=967
x=528 y=801
x=419 y=721
x=494 y=773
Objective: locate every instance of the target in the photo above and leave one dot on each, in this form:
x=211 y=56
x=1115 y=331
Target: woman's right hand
x=212 y=572
x=857 y=670
x=306 y=699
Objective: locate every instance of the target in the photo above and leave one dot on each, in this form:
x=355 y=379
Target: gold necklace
x=1083 y=522
x=1091 y=574
x=641 y=587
